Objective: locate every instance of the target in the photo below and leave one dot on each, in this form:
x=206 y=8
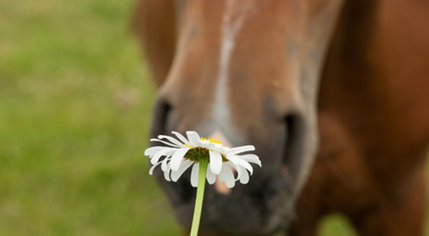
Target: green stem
x=200 y=197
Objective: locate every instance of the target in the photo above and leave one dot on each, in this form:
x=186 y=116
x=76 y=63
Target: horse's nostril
x=180 y=192
x=160 y=117
x=294 y=142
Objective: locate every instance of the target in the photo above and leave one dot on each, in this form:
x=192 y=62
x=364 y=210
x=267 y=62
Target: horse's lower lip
x=245 y=211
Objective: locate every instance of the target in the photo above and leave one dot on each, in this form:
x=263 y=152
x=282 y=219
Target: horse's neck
x=376 y=80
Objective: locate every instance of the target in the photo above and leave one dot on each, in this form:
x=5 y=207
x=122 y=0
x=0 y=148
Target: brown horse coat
x=372 y=102
x=373 y=122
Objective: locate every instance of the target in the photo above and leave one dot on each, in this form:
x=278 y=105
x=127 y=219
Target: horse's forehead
x=243 y=55
x=233 y=11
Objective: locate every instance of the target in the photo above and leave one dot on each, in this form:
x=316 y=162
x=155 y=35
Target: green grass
x=75 y=104
x=75 y=108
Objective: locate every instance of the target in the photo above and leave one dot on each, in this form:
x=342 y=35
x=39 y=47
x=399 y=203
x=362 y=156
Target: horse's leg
x=154 y=23
x=403 y=216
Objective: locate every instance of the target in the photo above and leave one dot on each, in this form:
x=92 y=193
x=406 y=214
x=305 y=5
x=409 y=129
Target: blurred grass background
x=75 y=107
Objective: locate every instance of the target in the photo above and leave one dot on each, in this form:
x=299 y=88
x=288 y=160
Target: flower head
x=186 y=153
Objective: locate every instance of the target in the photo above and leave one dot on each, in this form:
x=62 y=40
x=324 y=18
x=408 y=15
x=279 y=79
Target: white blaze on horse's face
x=231 y=24
x=232 y=20
x=247 y=70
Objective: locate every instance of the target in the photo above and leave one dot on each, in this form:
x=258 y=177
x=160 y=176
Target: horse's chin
x=246 y=210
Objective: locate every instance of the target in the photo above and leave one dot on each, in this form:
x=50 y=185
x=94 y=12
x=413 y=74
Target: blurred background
x=75 y=107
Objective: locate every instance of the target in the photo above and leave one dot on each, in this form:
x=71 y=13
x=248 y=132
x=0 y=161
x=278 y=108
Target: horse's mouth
x=246 y=210
x=261 y=207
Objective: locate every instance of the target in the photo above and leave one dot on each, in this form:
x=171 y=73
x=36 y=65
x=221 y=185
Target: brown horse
x=333 y=94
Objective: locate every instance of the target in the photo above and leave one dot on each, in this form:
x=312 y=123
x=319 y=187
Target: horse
x=334 y=95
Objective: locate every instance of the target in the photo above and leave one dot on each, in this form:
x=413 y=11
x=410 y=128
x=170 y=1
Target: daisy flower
x=181 y=154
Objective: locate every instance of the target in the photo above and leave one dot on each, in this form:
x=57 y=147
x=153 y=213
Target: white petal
x=216 y=162
x=237 y=150
x=204 y=143
x=240 y=162
x=232 y=158
x=244 y=179
x=152 y=150
x=194 y=138
x=228 y=176
x=171 y=139
x=251 y=158
x=194 y=174
x=175 y=175
x=177 y=158
x=164 y=142
x=167 y=173
x=216 y=146
x=220 y=175
x=153 y=167
x=164 y=164
x=163 y=152
x=239 y=170
x=182 y=138
x=211 y=178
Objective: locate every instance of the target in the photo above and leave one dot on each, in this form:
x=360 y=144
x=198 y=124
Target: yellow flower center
x=212 y=140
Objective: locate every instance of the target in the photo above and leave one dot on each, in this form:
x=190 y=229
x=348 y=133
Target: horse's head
x=247 y=72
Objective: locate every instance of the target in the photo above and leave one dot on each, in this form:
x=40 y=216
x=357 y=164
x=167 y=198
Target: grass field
x=75 y=107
